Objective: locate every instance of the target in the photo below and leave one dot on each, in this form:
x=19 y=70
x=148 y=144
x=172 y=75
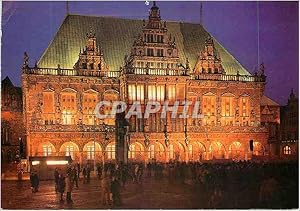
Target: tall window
x=190 y=149
x=160 y=90
x=68 y=108
x=171 y=92
x=88 y=107
x=151 y=152
x=160 y=52
x=150 y=52
x=69 y=151
x=151 y=92
x=131 y=153
x=287 y=150
x=47 y=150
x=136 y=93
x=171 y=151
x=209 y=109
x=244 y=106
x=111 y=151
x=90 y=152
x=227 y=110
x=48 y=108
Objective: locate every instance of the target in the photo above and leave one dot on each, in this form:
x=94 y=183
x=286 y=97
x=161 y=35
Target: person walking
x=61 y=186
x=56 y=177
x=69 y=188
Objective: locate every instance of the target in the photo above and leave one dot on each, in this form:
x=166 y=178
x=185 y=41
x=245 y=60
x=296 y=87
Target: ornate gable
x=91 y=58
x=209 y=61
x=154 y=51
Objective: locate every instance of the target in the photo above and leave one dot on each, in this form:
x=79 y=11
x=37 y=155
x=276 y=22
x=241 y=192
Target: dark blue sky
x=30 y=26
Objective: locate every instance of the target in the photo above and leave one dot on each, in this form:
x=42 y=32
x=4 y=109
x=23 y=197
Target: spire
x=154 y=17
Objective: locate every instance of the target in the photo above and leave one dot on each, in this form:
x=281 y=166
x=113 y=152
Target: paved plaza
x=152 y=193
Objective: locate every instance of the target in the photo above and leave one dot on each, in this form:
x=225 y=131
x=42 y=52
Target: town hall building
x=92 y=59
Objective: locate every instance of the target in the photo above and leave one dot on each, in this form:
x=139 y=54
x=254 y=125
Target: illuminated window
x=227 y=106
x=89 y=102
x=171 y=92
x=90 y=152
x=48 y=108
x=190 y=148
x=131 y=154
x=287 y=150
x=111 y=151
x=244 y=106
x=68 y=108
x=69 y=151
x=171 y=151
x=160 y=90
x=151 y=152
x=151 y=92
x=47 y=150
x=209 y=109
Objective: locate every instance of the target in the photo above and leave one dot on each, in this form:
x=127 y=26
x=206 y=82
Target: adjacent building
x=12 y=125
x=289 y=117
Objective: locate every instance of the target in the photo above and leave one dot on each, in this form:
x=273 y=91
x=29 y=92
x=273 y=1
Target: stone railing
x=71 y=72
x=74 y=128
x=155 y=71
x=227 y=129
x=221 y=77
x=182 y=72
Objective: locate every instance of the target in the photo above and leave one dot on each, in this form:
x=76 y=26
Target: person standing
x=115 y=190
x=84 y=172
x=105 y=185
x=69 y=188
x=61 y=186
x=74 y=176
x=88 y=174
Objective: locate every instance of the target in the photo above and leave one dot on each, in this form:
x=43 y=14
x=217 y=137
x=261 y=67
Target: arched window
x=287 y=150
x=111 y=151
x=47 y=150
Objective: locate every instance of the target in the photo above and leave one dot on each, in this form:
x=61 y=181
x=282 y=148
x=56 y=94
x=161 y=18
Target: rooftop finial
x=67 y=8
x=201 y=21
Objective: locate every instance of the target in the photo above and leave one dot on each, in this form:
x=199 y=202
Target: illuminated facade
x=163 y=61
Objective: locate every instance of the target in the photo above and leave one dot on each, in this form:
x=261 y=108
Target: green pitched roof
x=115 y=36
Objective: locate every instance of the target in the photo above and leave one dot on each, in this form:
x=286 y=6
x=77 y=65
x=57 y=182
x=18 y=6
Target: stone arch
x=227 y=94
x=92 y=150
x=217 y=150
x=136 y=151
x=236 y=151
x=176 y=151
x=69 y=89
x=196 y=151
x=70 y=148
x=258 y=148
x=45 y=149
x=156 y=151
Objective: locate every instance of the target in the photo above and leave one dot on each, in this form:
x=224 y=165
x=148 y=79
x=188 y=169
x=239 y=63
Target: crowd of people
x=243 y=184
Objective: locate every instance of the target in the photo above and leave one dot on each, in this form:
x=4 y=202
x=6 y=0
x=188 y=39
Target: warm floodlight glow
x=34 y=163
x=57 y=162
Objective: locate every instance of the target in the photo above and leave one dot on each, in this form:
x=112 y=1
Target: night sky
x=30 y=26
